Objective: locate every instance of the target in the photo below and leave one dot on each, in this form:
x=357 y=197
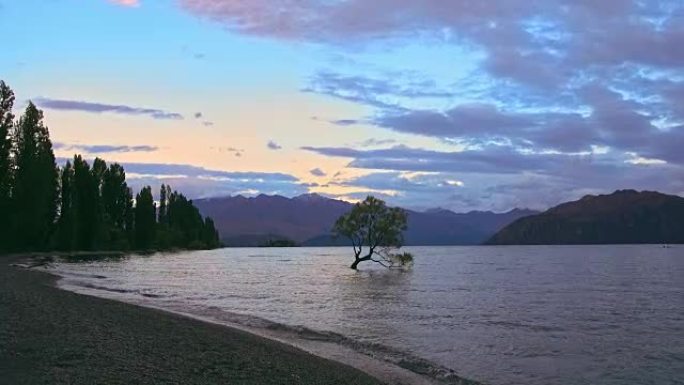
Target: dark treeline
x=81 y=206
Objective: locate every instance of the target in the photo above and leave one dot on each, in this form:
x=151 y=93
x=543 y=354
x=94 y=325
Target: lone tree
x=380 y=228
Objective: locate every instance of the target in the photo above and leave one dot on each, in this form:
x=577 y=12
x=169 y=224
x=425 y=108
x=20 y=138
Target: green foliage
x=79 y=207
x=117 y=205
x=163 y=202
x=34 y=190
x=85 y=204
x=373 y=225
x=210 y=236
x=6 y=124
x=145 y=222
x=66 y=223
x=398 y=259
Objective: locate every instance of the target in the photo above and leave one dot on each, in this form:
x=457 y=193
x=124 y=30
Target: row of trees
x=79 y=206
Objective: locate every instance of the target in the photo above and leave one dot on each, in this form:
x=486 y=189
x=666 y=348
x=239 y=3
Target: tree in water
x=145 y=219
x=6 y=122
x=373 y=225
x=35 y=192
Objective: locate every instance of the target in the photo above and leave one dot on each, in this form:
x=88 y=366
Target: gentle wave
x=605 y=315
x=375 y=351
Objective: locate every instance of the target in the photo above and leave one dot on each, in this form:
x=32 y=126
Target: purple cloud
x=126 y=3
x=72 y=105
x=491 y=160
x=498 y=177
x=103 y=148
x=539 y=42
x=200 y=182
x=273 y=145
x=317 y=172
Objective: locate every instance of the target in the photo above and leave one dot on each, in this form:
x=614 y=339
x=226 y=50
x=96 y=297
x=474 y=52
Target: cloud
x=377 y=92
x=498 y=177
x=72 y=105
x=372 y=142
x=345 y=122
x=198 y=115
x=528 y=37
x=235 y=151
x=196 y=171
x=317 y=172
x=126 y=3
x=273 y=145
x=550 y=99
x=200 y=182
x=103 y=148
x=493 y=159
x=536 y=59
x=457 y=122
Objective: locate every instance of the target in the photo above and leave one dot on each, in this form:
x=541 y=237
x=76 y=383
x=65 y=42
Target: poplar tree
x=164 y=192
x=79 y=207
x=6 y=122
x=66 y=224
x=85 y=199
x=35 y=194
x=145 y=219
x=116 y=198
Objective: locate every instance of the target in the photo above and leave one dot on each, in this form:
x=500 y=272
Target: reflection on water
x=503 y=315
x=92 y=257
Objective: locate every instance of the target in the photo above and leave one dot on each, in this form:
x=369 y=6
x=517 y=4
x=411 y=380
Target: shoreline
x=384 y=371
x=338 y=354
x=50 y=335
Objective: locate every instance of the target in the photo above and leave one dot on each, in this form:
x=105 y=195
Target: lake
x=536 y=315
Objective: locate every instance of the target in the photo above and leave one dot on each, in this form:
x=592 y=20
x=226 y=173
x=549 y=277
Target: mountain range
x=307 y=220
x=625 y=216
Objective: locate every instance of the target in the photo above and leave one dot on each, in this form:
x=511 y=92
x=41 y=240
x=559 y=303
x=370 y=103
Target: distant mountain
x=307 y=220
x=625 y=216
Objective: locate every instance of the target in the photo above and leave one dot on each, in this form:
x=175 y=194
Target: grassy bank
x=50 y=336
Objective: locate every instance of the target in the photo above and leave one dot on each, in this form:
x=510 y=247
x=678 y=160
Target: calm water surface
x=502 y=315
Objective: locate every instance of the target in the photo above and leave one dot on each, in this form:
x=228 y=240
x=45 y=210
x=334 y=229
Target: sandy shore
x=52 y=336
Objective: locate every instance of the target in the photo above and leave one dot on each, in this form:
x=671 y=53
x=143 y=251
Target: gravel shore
x=51 y=336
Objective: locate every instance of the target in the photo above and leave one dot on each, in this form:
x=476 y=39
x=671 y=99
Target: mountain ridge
x=624 y=216
x=308 y=218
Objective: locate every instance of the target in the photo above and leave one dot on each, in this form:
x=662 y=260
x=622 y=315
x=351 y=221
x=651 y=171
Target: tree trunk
x=359 y=260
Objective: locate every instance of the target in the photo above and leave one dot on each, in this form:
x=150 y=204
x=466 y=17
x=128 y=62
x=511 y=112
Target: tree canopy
x=78 y=206
x=376 y=228
x=6 y=126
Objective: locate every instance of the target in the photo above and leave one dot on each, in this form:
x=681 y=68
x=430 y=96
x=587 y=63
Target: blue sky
x=464 y=105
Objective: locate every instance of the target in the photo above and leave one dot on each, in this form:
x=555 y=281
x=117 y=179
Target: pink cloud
x=126 y=3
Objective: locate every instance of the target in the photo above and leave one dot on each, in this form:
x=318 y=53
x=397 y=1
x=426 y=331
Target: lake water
x=538 y=315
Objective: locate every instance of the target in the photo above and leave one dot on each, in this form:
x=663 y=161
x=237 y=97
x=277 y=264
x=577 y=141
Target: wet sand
x=52 y=336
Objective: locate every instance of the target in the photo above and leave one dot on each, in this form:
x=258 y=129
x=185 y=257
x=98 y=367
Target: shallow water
x=503 y=315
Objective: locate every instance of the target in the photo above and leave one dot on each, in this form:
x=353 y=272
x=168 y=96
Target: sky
x=461 y=104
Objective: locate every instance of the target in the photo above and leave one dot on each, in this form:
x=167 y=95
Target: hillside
x=623 y=217
x=307 y=219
